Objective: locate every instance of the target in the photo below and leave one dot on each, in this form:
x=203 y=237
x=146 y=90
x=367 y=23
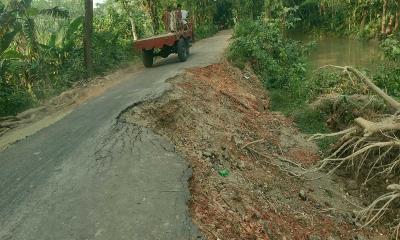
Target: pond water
x=342 y=52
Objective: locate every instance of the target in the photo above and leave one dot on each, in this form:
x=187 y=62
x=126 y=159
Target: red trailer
x=163 y=45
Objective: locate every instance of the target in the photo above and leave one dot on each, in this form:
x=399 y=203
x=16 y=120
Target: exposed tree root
x=344 y=132
x=372 y=149
x=380 y=206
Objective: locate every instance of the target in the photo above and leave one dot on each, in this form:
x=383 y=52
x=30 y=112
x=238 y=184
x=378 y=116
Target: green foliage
x=358 y=18
x=41 y=47
x=387 y=77
x=205 y=30
x=13 y=99
x=55 y=12
x=33 y=69
x=278 y=60
x=391 y=48
x=280 y=63
x=327 y=81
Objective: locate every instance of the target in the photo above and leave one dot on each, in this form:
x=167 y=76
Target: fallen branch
x=8 y=118
x=372 y=149
x=3 y=131
x=321 y=135
x=9 y=124
x=253 y=142
x=282 y=159
x=370 y=128
x=13 y=124
x=30 y=112
x=388 y=99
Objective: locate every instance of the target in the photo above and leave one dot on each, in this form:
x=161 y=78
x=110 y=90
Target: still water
x=343 y=52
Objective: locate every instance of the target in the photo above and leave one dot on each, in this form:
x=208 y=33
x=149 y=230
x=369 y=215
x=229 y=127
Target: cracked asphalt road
x=93 y=176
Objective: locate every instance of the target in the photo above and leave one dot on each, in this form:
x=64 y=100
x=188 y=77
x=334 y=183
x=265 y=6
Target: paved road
x=91 y=176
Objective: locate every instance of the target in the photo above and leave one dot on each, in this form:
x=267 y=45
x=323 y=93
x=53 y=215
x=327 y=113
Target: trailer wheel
x=182 y=50
x=148 y=57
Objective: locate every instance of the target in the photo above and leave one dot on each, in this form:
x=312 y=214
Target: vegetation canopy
x=49 y=46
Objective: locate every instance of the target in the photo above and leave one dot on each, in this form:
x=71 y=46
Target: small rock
x=237 y=141
x=359 y=237
x=241 y=165
x=314 y=237
x=207 y=154
x=302 y=195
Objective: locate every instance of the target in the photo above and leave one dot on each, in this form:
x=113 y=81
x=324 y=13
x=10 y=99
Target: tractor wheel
x=187 y=50
x=182 y=50
x=148 y=57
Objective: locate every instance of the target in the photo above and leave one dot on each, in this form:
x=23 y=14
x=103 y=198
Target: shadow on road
x=172 y=59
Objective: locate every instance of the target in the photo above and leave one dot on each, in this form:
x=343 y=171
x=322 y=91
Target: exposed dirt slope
x=243 y=158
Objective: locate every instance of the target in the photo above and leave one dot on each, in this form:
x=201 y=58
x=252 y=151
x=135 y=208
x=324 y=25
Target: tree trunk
x=393 y=103
x=383 y=24
x=87 y=37
x=152 y=8
x=389 y=27
x=396 y=23
x=363 y=20
x=133 y=28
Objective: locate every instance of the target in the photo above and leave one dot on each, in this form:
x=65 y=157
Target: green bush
x=13 y=99
x=391 y=48
x=27 y=79
x=277 y=60
x=387 y=77
x=280 y=64
x=205 y=30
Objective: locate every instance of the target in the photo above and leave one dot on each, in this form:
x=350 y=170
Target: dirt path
x=244 y=159
x=92 y=175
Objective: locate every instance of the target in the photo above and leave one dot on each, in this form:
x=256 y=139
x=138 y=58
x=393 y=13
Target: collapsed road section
x=247 y=161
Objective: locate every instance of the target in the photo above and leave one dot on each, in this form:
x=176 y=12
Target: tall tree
x=129 y=7
x=87 y=37
x=153 y=9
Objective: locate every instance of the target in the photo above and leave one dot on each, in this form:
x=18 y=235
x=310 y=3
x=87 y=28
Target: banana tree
x=18 y=18
x=18 y=40
x=63 y=42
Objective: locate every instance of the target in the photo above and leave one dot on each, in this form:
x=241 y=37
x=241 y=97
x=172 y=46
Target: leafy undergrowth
x=243 y=158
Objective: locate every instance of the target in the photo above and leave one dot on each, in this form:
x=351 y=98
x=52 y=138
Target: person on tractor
x=166 y=18
x=184 y=14
x=175 y=20
x=170 y=19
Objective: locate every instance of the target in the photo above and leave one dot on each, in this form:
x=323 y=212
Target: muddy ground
x=246 y=159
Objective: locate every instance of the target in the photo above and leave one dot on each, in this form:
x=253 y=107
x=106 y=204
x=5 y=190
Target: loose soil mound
x=243 y=158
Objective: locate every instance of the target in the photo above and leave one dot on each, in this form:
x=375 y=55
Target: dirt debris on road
x=243 y=158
